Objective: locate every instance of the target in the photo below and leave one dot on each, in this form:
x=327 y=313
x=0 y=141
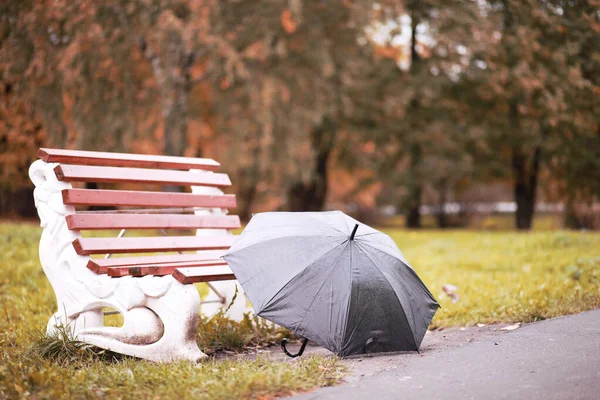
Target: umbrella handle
x=299 y=353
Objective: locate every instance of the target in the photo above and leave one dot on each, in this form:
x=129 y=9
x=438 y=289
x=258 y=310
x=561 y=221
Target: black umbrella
x=333 y=280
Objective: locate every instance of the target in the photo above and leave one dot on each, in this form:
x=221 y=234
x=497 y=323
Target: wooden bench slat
x=100 y=265
x=205 y=274
x=86 y=246
x=87 y=173
x=91 y=221
x=159 y=269
x=94 y=197
x=125 y=160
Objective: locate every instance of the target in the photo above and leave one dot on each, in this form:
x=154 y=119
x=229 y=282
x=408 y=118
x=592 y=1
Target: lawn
x=500 y=277
x=505 y=276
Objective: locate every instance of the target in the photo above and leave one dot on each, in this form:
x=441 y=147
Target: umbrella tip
x=353 y=232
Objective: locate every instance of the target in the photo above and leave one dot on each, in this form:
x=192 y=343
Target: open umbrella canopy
x=331 y=279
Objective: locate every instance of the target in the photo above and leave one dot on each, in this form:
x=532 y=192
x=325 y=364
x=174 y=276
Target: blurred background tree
x=421 y=106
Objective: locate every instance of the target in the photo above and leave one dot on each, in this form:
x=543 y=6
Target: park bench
x=150 y=279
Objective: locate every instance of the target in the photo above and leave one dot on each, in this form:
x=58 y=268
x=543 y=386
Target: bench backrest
x=152 y=212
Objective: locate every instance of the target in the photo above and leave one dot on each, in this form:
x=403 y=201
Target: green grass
x=488 y=222
x=501 y=277
x=262 y=378
x=220 y=333
x=506 y=276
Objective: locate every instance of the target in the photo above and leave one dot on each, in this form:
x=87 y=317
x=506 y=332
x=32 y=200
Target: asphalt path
x=553 y=359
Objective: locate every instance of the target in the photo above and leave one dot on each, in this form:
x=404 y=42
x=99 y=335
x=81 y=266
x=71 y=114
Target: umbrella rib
x=414 y=340
x=368 y=234
x=347 y=316
x=401 y=259
x=293 y=277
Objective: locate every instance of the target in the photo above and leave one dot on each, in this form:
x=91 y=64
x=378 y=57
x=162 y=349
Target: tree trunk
x=248 y=175
x=247 y=183
x=246 y=194
x=571 y=219
x=320 y=179
x=174 y=82
x=525 y=184
x=17 y=202
x=415 y=189
x=413 y=216
x=175 y=115
x=525 y=173
x=311 y=196
x=442 y=218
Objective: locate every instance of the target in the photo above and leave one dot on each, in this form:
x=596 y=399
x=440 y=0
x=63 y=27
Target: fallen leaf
x=450 y=291
x=129 y=374
x=511 y=327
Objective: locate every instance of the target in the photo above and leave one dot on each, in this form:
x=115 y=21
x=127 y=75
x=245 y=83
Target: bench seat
x=86 y=246
x=101 y=265
x=125 y=198
x=160 y=269
x=103 y=221
x=86 y=173
x=208 y=274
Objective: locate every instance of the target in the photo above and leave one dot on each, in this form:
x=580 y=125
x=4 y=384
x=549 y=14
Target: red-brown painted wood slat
x=125 y=160
x=100 y=265
x=86 y=173
x=160 y=269
x=79 y=197
x=86 y=246
x=206 y=274
x=90 y=221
